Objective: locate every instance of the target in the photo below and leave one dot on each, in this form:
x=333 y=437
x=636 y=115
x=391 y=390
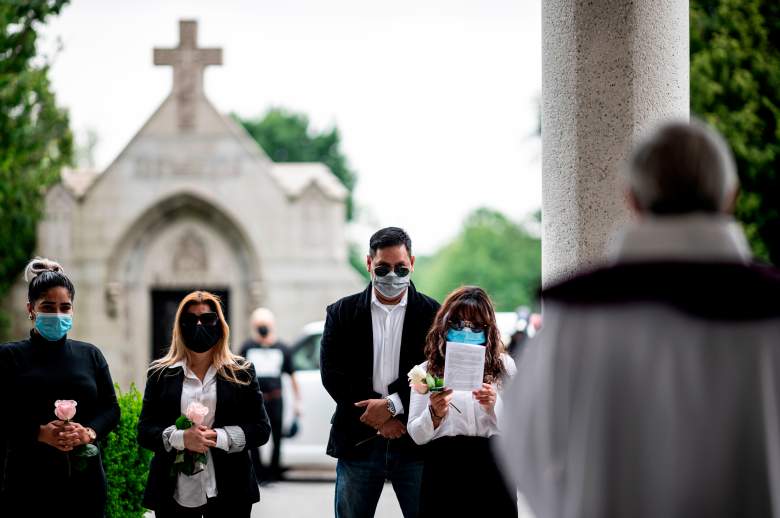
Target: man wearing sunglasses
x=371 y=340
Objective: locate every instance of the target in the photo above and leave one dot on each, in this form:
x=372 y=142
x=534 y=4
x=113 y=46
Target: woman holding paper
x=458 y=424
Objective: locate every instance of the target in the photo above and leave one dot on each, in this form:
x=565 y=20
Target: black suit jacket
x=347 y=365
x=237 y=405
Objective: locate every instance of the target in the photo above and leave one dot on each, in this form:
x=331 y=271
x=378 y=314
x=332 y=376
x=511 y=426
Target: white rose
x=417 y=374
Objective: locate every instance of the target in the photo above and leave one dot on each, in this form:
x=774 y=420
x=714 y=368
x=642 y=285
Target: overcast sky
x=435 y=99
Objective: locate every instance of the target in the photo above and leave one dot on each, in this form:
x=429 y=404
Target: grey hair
x=683 y=167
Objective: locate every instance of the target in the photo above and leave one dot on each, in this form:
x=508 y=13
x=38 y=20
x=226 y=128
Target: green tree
x=735 y=86
x=285 y=136
x=357 y=258
x=491 y=251
x=35 y=139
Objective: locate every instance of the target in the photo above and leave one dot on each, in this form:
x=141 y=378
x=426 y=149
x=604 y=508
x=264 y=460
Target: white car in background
x=307 y=448
x=507 y=324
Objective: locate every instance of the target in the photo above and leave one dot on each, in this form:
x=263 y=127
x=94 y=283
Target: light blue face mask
x=53 y=326
x=466 y=336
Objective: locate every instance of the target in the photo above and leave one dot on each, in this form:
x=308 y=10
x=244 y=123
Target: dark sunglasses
x=460 y=324
x=191 y=319
x=400 y=270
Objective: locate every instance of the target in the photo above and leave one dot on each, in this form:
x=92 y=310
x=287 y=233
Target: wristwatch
x=390 y=406
x=91 y=433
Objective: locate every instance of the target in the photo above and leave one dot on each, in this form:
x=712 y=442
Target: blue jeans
x=359 y=482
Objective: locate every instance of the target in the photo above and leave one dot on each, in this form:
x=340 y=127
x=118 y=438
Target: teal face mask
x=53 y=326
x=466 y=336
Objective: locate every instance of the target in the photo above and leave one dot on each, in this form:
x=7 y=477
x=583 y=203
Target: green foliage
x=35 y=139
x=735 y=86
x=285 y=136
x=357 y=258
x=492 y=252
x=182 y=423
x=126 y=463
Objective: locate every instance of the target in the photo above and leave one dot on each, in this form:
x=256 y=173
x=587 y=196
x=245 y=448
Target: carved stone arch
x=144 y=229
x=143 y=262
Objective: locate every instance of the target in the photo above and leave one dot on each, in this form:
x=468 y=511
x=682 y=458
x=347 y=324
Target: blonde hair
x=227 y=364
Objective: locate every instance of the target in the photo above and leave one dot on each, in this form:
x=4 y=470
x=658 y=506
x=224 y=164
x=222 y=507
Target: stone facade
x=192 y=202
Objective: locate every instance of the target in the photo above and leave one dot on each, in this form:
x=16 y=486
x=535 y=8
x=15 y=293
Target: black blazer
x=237 y=405
x=347 y=365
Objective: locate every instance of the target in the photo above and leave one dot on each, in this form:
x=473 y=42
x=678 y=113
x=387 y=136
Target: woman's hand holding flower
x=199 y=438
x=75 y=433
x=52 y=434
x=440 y=405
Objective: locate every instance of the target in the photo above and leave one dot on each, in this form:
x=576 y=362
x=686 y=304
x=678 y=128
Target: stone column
x=612 y=69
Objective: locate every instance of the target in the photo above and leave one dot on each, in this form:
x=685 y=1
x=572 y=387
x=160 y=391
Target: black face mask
x=200 y=338
x=262 y=331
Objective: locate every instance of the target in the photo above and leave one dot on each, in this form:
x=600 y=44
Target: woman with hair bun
x=59 y=400
x=201 y=465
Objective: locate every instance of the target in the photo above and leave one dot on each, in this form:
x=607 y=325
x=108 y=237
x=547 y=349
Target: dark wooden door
x=164 y=305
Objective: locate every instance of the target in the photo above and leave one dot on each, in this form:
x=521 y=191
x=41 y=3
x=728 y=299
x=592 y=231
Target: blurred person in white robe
x=653 y=389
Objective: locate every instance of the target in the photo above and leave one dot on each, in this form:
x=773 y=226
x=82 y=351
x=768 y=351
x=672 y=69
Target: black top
x=237 y=405
x=347 y=365
x=34 y=373
x=270 y=362
x=714 y=291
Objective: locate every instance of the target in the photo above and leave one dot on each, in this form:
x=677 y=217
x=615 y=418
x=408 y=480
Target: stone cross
x=188 y=62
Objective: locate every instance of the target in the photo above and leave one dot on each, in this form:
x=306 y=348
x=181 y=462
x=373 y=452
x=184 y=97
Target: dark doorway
x=164 y=306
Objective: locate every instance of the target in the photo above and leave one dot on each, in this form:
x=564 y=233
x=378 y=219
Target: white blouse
x=473 y=420
x=195 y=490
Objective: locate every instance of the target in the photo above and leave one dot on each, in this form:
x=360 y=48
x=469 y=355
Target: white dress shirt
x=193 y=491
x=473 y=420
x=388 y=326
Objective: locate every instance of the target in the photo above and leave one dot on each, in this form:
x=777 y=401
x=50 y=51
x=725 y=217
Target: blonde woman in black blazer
x=200 y=367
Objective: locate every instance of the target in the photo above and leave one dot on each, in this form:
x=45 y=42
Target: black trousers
x=274 y=408
x=461 y=478
x=214 y=508
x=39 y=480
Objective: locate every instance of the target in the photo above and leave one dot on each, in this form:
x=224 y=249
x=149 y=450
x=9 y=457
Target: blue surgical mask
x=53 y=326
x=466 y=336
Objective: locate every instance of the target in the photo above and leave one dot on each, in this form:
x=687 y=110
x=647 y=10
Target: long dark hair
x=470 y=303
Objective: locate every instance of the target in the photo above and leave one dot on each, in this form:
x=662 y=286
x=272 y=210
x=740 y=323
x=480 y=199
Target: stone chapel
x=192 y=202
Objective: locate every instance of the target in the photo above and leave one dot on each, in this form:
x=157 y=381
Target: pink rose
x=65 y=409
x=196 y=412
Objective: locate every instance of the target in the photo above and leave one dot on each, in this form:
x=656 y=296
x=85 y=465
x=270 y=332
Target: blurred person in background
x=271 y=359
x=654 y=387
x=520 y=335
